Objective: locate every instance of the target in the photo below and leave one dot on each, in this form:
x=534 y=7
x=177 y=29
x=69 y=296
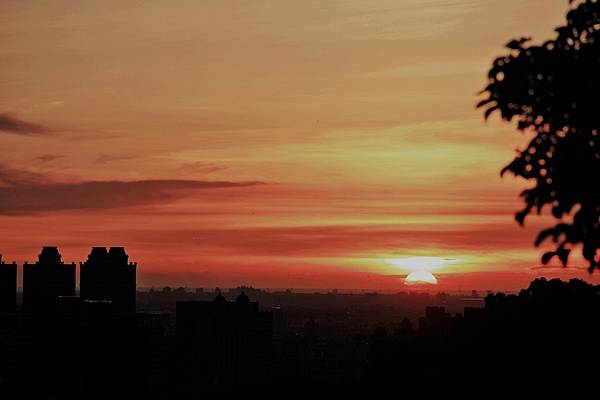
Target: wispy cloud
x=109 y=158
x=46 y=158
x=24 y=192
x=341 y=241
x=200 y=167
x=14 y=125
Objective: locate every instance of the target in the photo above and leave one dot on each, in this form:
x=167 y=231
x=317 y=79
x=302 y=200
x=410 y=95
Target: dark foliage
x=552 y=91
x=542 y=337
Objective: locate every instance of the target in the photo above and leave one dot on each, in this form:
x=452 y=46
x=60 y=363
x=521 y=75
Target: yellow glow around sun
x=420 y=277
x=419 y=263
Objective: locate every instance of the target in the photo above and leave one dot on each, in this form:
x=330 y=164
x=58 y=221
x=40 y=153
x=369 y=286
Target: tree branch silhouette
x=552 y=91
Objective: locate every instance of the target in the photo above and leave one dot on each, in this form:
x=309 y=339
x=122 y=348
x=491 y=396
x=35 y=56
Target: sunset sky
x=309 y=144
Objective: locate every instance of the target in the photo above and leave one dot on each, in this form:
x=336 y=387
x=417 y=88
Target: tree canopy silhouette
x=552 y=91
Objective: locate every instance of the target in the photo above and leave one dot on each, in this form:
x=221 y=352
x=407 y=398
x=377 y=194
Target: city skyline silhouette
x=180 y=343
x=304 y=199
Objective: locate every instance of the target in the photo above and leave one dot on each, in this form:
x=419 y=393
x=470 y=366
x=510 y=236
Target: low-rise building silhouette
x=8 y=287
x=222 y=343
x=109 y=276
x=46 y=281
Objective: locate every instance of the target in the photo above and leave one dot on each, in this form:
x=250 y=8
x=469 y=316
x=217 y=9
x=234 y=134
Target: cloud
x=430 y=70
x=110 y=158
x=11 y=124
x=340 y=241
x=10 y=177
x=201 y=168
x=46 y=158
x=24 y=192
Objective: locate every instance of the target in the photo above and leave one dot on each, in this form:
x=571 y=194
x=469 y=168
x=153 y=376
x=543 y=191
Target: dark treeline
x=547 y=334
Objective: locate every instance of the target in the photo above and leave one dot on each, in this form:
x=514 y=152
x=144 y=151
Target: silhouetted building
x=473 y=313
x=223 y=344
x=109 y=276
x=47 y=280
x=8 y=287
x=405 y=330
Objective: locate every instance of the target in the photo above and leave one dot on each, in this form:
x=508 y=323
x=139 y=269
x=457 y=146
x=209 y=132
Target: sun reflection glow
x=419 y=263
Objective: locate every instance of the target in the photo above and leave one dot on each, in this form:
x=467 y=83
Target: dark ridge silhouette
x=551 y=90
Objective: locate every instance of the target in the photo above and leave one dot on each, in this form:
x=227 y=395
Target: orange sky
x=278 y=144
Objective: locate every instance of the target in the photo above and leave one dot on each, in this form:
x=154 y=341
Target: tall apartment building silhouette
x=108 y=275
x=8 y=287
x=46 y=281
x=69 y=347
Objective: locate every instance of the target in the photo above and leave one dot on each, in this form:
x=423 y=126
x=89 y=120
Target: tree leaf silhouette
x=551 y=91
x=547 y=257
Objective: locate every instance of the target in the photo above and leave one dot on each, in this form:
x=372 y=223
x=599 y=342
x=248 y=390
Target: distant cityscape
x=57 y=342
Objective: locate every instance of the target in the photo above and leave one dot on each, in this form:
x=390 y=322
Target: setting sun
x=420 y=277
x=419 y=268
